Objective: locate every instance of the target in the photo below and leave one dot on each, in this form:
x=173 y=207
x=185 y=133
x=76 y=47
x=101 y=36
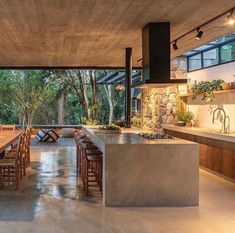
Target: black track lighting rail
x=204 y=24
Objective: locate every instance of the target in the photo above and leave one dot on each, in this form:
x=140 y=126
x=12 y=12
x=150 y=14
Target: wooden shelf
x=216 y=92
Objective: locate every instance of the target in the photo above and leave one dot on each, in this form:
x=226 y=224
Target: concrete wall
x=225 y=72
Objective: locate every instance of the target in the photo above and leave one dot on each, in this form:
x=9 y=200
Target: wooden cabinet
x=216 y=155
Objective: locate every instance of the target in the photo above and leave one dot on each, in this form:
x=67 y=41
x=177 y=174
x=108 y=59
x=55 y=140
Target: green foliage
x=184 y=116
x=86 y=121
x=31 y=96
x=207 y=89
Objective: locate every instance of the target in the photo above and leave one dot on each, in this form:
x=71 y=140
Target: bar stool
x=91 y=166
x=78 y=137
x=84 y=144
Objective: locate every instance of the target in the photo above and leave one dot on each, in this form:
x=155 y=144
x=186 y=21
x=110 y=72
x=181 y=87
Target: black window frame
x=218 y=46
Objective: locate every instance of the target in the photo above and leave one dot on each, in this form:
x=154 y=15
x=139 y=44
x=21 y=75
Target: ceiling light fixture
x=230 y=19
x=120 y=87
x=199 y=34
x=175 y=47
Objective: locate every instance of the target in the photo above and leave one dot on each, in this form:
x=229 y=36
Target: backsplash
x=159 y=106
x=203 y=110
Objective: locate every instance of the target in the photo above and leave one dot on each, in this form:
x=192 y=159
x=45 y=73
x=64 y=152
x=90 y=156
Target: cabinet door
x=203 y=155
x=214 y=159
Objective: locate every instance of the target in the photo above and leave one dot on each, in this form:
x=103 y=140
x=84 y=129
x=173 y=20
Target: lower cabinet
x=215 y=155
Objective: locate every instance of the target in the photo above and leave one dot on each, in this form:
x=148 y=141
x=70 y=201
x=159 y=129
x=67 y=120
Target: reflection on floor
x=50 y=201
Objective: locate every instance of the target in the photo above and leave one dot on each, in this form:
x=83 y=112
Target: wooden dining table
x=8 y=137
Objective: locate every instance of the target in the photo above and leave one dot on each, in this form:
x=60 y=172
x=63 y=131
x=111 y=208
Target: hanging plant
x=207 y=89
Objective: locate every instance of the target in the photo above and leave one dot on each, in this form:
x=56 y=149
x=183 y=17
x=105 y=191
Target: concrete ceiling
x=94 y=33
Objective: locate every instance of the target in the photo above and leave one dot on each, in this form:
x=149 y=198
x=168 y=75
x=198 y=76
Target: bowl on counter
x=181 y=123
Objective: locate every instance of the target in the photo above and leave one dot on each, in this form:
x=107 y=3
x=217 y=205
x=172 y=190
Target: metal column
x=128 y=87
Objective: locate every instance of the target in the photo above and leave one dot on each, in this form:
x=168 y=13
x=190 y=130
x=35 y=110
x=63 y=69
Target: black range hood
x=156 y=56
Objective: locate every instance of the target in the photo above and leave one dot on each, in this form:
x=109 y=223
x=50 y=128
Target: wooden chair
x=10 y=167
x=8 y=127
x=27 y=146
x=24 y=159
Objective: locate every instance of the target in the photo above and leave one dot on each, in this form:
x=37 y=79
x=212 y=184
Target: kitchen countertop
x=128 y=136
x=143 y=172
x=201 y=131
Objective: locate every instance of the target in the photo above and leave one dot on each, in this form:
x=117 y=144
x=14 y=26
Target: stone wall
x=159 y=106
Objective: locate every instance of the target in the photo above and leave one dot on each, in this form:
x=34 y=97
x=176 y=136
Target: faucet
x=223 y=129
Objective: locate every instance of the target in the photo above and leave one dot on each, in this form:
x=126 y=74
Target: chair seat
x=10 y=155
x=7 y=162
x=93 y=152
x=94 y=158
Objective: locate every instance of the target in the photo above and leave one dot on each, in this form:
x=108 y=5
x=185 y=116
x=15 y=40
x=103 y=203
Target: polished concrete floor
x=50 y=201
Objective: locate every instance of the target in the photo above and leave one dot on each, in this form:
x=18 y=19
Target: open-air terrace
x=117 y=116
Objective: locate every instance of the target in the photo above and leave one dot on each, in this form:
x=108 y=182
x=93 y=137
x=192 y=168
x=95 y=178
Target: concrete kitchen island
x=147 y=173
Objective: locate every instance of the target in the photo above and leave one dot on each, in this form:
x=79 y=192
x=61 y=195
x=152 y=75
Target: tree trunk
x=61 y=109
x=92 y=75
x=84 y=98
x=108 y=91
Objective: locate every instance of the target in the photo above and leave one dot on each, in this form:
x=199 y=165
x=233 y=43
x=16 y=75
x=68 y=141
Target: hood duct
x=156 y=56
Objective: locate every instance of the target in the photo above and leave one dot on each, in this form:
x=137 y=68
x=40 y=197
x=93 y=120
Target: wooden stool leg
x=86 y=178
x=16 y=178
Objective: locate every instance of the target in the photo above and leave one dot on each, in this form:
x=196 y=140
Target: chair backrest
x=8 y=127
x=20 y=147
x=28 y=135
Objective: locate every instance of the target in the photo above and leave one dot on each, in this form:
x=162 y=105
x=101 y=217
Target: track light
x=199 y=34
x=230 y=19
x=175 y=47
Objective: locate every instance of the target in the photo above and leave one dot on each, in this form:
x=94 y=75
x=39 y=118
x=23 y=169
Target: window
x=228 y=52
x=211 y=57
x=195 y=62
x=214 y=53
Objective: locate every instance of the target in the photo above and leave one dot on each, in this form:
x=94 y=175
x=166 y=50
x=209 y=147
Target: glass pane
x=195 y=62
x=228 y=52
x=210 y=57
x=224 y=39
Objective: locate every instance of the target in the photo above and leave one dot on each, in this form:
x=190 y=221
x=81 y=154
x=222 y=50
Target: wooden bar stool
x=84 y=144
x=78 y=137
x=91 y=166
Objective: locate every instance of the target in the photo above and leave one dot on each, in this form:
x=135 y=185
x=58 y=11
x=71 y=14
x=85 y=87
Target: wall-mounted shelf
x=216 y=92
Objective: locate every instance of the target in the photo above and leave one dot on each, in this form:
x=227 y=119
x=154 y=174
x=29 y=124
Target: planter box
x=106 y=131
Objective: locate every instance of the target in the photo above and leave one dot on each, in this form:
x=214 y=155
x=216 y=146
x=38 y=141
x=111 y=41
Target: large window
x=228 y=52
x=195 y=62
x=215 y=54
x=211 y=57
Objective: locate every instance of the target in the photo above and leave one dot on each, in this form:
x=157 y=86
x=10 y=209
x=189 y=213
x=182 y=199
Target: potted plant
x=184 y=118
x=207 y=89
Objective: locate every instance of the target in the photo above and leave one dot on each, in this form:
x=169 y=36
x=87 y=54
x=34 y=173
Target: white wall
x=202 y=109
x=225 y=72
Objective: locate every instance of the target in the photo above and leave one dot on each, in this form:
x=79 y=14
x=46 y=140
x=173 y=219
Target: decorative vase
x=226 y=86
x=188 y=124
x=232 y=85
